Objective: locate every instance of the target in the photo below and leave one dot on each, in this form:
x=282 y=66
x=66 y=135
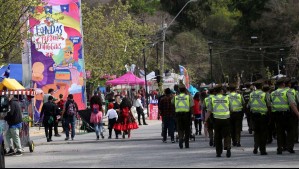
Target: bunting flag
x=184 y=73
x=52 y=9
x=48 y=10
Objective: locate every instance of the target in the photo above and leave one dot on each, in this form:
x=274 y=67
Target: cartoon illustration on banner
x=57 y=58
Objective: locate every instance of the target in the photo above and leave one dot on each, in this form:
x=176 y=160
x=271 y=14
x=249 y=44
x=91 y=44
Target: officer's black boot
x=181 y=144
x=255 y=151
x=211 y=143
x=279 y=151
x=187 y=145
x=228 y=154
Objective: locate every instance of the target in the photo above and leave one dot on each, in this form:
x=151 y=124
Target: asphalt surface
x=145 y=150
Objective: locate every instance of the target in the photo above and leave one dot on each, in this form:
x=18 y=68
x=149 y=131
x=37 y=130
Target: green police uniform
x=259 y=103
x=294 y=94
x=183 y=104
x=210 y=122
x=281 y=101
x=236 y=107
x=246 y=95
x=219 y=106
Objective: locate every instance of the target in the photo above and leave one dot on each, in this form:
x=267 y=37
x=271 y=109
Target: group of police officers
x=267 y=112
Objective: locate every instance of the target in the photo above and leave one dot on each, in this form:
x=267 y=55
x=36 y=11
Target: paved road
x=145 y=149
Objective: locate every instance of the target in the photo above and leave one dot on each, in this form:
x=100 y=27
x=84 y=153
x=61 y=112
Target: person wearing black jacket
x=70 y=113
x=14 y=120
x=48 y=113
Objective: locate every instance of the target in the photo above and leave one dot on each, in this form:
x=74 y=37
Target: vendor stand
x=12 y=87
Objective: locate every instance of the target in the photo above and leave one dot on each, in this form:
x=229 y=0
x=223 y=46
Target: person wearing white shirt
x=140 y=112
x=112 y=117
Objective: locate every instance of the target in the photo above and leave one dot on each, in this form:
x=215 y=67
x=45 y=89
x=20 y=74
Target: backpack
x=72 y=110
x=95 y=108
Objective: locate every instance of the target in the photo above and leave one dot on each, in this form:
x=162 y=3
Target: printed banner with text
x=57 y=57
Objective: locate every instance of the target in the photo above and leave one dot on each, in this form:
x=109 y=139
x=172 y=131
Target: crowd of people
x=271 y=111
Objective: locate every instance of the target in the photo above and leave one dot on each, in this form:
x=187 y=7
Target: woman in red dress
x=126 y=121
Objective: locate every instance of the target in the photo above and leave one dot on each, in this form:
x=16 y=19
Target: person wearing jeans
x=167 y=111
x=14 y=120
x=70 y=119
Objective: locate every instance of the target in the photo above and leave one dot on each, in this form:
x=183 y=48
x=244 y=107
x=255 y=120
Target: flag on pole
x=184 y=73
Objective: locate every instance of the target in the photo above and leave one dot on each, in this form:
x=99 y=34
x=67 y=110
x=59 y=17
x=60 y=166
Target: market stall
x=25 y=96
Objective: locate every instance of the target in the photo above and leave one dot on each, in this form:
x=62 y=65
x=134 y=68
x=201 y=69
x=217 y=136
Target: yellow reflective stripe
x=258 y=102
x=236 y=100
x=182 y=103
x=280 y=100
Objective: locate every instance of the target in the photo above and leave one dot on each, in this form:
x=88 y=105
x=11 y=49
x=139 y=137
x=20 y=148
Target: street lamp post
x=211 y=59
x=164 y=29
x=145 y=74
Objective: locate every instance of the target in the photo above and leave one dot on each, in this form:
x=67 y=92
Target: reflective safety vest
x=258 y=102
x=182 y=103
x=280 y=100
x=236 y=102
x=220 y=105
x=293 y=93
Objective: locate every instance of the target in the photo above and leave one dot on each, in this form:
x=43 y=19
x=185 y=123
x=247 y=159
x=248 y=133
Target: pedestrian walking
x=167 y=111
x=112 y=117
x=220 y=107
x=140 y=110
x=237 y=107
x=283 y=102
x=210 y=121
x=126 y=121
x=70 y=113
x=184 y=109
x=260 y=107
x=291 y=84
x=61 y=105
x=197 y=114
x=96 y=118
x=14 y=121
x=246 y=96
x=48 y=115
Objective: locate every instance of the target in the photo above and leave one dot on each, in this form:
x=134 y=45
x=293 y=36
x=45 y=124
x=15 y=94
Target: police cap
x=259 y=82
x=281 y=80
x=287 y=80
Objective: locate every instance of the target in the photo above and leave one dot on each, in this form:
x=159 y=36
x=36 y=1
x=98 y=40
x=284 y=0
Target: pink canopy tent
x=127 y=79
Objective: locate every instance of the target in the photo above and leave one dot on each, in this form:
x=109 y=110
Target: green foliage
x=14 y=17
x=113 y=38
x=144 y=6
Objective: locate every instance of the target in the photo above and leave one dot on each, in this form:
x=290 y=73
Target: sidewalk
x=150 y=132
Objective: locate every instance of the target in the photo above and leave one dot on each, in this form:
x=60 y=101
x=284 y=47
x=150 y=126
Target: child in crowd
x=112 y=116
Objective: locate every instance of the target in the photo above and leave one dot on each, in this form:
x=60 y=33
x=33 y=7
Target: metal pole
x=211 y=63
x=146 y=87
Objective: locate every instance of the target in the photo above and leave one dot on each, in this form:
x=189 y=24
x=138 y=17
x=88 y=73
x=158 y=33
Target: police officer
x=246 y=95
x=210 y=126
x=184 y=109
x=283 y=102
x=260 y=107
x=219 y=107
x=291 y=84
x=237 y=107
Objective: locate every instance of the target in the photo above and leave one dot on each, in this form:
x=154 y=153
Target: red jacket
x=197 y=109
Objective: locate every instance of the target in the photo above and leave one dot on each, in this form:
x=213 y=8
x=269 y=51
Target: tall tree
x=113 y=38
x=14 y=17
